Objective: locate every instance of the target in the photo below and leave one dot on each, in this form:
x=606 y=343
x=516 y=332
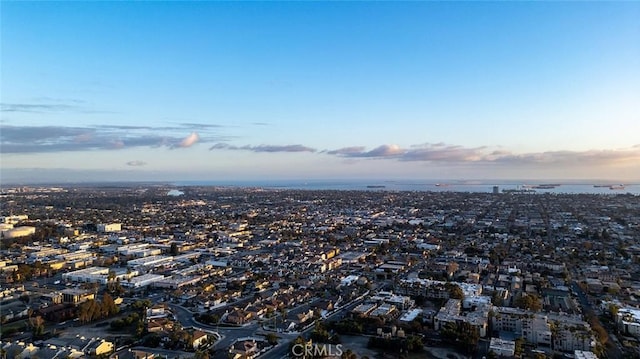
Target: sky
x=208 y=91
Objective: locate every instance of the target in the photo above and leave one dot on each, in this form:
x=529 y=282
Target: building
x=76 y=296
x=581 y=354
x=502 y=347
x=452 y=313
x=199 y=339
x=628 y=320
x=142 y=280
x=558 y=331
x=244 y=349
x=109 y=227
x=15 y=232
x=13 y=219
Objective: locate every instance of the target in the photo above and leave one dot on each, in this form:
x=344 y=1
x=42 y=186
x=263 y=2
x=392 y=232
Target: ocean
x=435 y=186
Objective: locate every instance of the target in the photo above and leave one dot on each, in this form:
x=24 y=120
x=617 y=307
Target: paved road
x=228 y=335
x=231 y=334
x=612 y=349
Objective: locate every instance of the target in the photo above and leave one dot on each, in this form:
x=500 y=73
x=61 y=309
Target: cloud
x=51 y=105
x=288 y=148
x=200 y=125
x=38 y=108
x=348 y=151
x=129 y=127
x=383 y=151
x=451 y=154
x=441 y=152
x=630 y=155
x=43 y=139
x=263 y=148
x=136 y=163
x=188 y=141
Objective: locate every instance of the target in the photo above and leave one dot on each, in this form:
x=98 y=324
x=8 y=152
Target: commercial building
x=109 y=227
x=502 y=347
x=628 y=320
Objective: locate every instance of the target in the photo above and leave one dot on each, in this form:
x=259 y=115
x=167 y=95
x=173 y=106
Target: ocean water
x=435 y=186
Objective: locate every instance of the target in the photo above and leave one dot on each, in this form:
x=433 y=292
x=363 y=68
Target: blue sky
x=319 y=90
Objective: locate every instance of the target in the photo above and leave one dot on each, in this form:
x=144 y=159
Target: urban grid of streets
x=259 y=261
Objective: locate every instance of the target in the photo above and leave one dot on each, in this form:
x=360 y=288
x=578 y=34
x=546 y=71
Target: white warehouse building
x=109 y=227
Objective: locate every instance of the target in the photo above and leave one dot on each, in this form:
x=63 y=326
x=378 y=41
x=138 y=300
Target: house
x=157 y=311
x=244 y=349
x=99 y=347
x=257 y=310
x=239 y=317
x=324 y=307
x=300 y=318
x=199 y=339
x=159 y=325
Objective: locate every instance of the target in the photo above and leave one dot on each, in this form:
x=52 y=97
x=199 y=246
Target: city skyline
x=319 y=90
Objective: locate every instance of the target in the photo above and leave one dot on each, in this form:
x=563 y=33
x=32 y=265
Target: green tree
x=529 y=302
x=320 y=333
x=37 y=324
x=272 y=338
x=174 y=249
x=348 y=354
x=455 y=292
x=109 y=306
x=613 y=310
x=519 y=346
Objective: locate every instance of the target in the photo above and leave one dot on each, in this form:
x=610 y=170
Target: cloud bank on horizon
x=24 y=140
x=50 y=139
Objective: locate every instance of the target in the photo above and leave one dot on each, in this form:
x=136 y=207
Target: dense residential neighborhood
x=156 y=271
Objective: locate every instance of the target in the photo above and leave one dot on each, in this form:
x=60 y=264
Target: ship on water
x=617 y=187
x=542 y=186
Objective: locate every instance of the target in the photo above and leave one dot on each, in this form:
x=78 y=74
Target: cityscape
x=159 y=271
x=319 y=179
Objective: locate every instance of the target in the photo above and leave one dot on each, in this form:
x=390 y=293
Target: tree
x=613 y=310
x=348 y=355
x=319 y=333
x=296 y=344
x=37 y=324
x=174 y=249
x=272 y=338
x=109 y=306
x=519 y=346
x=529 y=302
x=455 y=291
x=414 y=343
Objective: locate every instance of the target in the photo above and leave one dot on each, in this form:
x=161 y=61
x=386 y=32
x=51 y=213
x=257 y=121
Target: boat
x=376 y=186
x=524 y=190
x=617 y=187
